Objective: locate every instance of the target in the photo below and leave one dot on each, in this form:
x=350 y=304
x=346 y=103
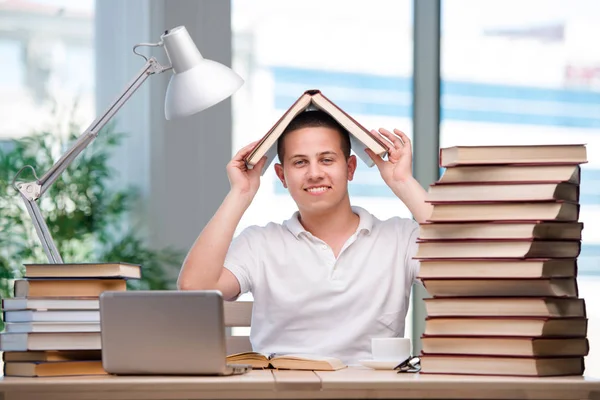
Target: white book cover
x=27 y=327
x=52 y=316
x=21 y=303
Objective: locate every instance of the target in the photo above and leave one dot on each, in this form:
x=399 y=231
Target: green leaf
x=86 y=215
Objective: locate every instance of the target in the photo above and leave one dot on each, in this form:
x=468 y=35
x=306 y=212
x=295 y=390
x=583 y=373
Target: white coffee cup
x=390 y=349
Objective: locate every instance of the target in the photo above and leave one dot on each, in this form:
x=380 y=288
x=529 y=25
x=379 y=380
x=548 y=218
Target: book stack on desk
x=52 y=324
x=499 y=256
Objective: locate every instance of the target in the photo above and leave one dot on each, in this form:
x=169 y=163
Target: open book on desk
x=287 y=361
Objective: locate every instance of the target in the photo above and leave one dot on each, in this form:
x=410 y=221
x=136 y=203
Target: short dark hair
x=314 y=119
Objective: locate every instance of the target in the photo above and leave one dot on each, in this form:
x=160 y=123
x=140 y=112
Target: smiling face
x=315 y=169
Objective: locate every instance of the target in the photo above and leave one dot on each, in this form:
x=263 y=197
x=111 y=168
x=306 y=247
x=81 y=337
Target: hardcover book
x=360 y=137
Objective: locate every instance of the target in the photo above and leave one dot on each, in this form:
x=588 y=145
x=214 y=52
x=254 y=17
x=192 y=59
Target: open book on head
x=287 y=361
x=360 y=137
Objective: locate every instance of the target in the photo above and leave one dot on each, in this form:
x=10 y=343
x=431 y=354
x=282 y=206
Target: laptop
x=164 y=332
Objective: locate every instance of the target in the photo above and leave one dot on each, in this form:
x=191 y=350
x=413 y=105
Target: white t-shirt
x=307 y=301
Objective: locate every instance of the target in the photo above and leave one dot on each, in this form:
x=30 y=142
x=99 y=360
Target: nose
x=314 y=171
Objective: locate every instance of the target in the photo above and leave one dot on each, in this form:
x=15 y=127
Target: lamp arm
x=31 y=191
x=151 y=67
x=42 y=230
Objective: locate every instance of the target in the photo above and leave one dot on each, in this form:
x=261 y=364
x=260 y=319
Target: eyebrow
x=323 y=153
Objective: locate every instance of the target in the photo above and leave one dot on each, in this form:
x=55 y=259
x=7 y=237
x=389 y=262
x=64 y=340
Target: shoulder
x=404 y=229
x=256 y=231
x=400 y=224
x=262 y=233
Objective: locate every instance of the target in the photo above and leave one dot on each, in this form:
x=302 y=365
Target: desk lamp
x=196 y=84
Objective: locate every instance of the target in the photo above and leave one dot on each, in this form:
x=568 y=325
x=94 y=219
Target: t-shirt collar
x=365 y=222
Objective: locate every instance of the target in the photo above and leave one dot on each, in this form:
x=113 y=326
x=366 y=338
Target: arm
x=413 y=195
x=203 y=267
x=397 y=174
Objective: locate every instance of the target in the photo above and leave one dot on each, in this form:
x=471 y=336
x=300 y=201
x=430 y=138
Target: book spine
x=375 y=138
x=261 y=141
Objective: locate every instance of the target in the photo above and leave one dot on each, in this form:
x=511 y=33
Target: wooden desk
x=351 y=383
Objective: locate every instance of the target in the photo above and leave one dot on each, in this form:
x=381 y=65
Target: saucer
x=379 y=364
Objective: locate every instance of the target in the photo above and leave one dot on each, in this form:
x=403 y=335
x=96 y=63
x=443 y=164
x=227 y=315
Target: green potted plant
x=84 y=213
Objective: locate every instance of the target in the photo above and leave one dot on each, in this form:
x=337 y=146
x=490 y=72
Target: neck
x=331 y=222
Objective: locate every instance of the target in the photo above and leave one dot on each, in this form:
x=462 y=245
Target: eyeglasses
x=411 y=364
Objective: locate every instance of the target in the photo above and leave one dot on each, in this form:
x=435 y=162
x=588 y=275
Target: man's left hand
x=398 y=167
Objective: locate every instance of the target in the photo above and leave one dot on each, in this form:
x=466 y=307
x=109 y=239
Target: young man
x=332 y=276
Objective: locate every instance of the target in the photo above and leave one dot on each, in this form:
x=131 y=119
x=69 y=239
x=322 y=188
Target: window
x=358 y=56
x=529 y=77
x=47 y=53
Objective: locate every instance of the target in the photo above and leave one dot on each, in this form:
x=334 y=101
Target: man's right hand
x=203 y=268
x=244 y=181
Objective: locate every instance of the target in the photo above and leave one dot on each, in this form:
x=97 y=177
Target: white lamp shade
x=199 y=88
x=197 y=83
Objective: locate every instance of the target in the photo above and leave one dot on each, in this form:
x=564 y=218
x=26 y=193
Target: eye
x=327 y=160
x=298 y=163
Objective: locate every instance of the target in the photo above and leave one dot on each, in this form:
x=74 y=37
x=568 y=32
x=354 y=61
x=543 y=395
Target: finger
x=257 y=169
x=238 y=164
x=397 y=141
x=376 y=158
x=403 y=136
x=390 y=146
x=249 y=146
x=245 y=150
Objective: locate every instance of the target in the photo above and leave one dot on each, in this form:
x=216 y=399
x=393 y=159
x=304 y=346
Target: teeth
x=317 y=190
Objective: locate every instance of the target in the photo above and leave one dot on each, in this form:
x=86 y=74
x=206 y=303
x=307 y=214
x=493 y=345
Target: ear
x=280 y=174
x=351 y=167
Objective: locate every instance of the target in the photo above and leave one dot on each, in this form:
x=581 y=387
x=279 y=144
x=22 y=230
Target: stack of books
x=499 y=258
x=52 y=324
